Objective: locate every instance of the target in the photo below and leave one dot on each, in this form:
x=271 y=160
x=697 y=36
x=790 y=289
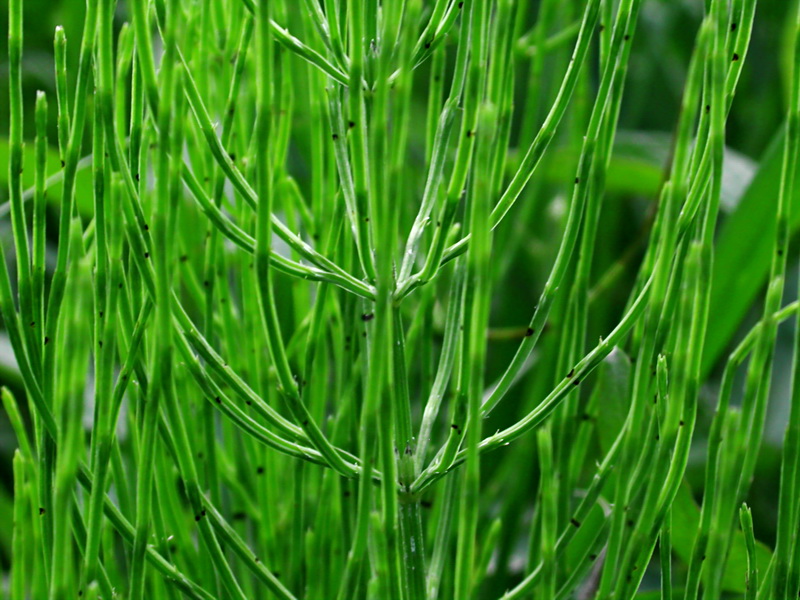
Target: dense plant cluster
x=305 y=298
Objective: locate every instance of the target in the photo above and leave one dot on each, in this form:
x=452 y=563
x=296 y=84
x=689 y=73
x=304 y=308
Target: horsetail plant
x=257 y=289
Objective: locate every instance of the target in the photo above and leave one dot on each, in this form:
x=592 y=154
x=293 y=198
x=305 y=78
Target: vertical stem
x=788 y=512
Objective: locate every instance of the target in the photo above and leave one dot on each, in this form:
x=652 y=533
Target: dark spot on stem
x=735 y=57
x=206 y=283
x=305 y=423
x=470 y=133
x=708 y=108
x=41 y=511
x=351 y=124
x=629 y=522
x=682 y=423
x=627 y=37
x=136 y=177
x=63 y=164
x=367 y=317
x=427 y=45
x=46 y=341
x=426 y=504
x=217 y=400
x=577 y=180
x=570 y=374
x=335 y=136
x=592 y=556
x=575 y=522
x=260 y=470
x=184 y=258
x=33 y=323
x=658 y=437
x=529 y=332
x=232 y=156
x=147 y=255
x=733 y=26
x=576 y=382
x=460 y=5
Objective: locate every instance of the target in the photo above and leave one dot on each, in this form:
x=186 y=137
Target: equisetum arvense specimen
x=366 y=299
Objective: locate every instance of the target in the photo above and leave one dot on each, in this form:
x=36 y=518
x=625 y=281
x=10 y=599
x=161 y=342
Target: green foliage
x=303 y=300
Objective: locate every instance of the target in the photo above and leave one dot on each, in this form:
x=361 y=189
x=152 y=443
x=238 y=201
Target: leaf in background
x=83 y=184
x=685 y=522
x=610 y=396
x=9 y=371
x=6 y=527
x=743 y=253
x=637 y=167
x=656 y=595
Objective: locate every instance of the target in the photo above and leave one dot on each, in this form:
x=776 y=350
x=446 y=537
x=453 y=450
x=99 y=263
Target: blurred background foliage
x=655 y=82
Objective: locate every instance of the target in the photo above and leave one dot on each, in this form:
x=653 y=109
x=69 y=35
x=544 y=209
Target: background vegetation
x=258 y=376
